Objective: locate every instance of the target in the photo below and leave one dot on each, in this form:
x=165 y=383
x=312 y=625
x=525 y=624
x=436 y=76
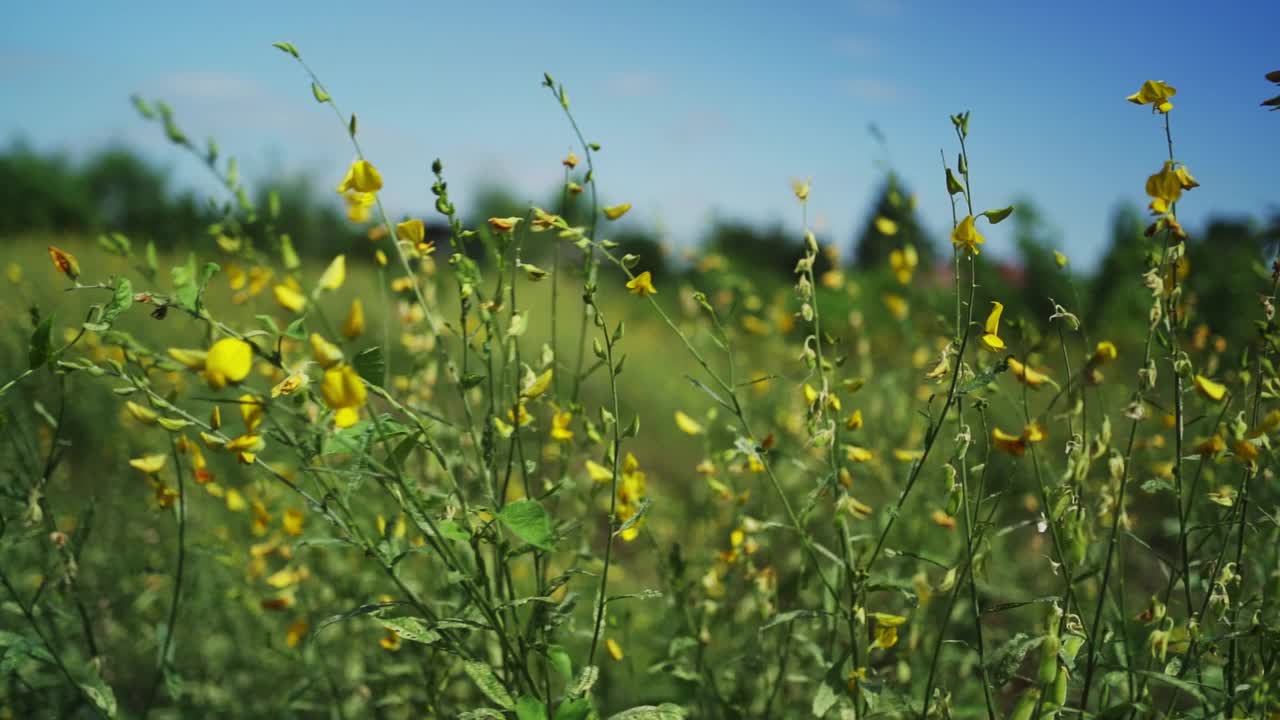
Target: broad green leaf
x=665 y=711
x=38 y=349
x=101 y=695
x=121 y=300
x=576 y=709
x=530 y=708
x=995 y=216
x=371 y=365
x=410 y=628
x=824 y=700
x=527 y=520
x=489 y=684
x=560 y=660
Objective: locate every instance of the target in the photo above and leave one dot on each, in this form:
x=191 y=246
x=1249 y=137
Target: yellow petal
x=335 y=275
x=613 y=212
x=363 y=177
x=687 y=425
x=228 y=361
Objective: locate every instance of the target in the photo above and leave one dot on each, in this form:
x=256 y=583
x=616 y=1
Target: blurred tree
x=1116 y=293
x=1036 y=243
x=42 y=192
x=1226 y=260
x=771 y=249
x=896 y=205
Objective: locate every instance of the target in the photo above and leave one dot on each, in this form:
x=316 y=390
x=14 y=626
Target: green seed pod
x=1060 y=687
x=1026 y=705
x=1049 y=659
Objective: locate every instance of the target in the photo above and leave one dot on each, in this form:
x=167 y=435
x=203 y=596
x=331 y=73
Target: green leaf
x=297 y=329
x=38 y=349
x=587 y=677
x=1189 y=688
x=530 y=708
x=560 y=660
x=319 y=93
x=577 y=709
x=665 y=711
x=995 y=216
x=410 y=628
x=269 y=323
x=645 y=504
x=116 y=244
x=489 y=684
x=371 y=365
x=824 y=700
x=789 y=617
x=953 y=185
x=527 y=520
x=121 y=300
x=287 y=47
x=354 y=612
x=471 y=380
x=101 y=695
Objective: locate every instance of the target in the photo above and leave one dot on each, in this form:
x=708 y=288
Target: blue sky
x=703 y=109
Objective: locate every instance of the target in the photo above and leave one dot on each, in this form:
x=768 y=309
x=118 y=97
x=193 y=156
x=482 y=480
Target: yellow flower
x=1211 y=445
x=411 y=231
x=251 y=412
x=886 y=637
x=896 y=305
x=570 y=161
x=235 y=501
x=642 y=285
x=855 y=421
x=149 y=464
x=853 y=453
x=296 y=632
x=141 y=413
x=359 y=206
x=966 y=235
x=598 y=472
x=1030 y=377
x=1155 y=93
x=903 y=262
x=687 y=425
x=615 y=650
x=885 y=226
x=1104 y=353
x=333 y=276
x=326 y=353
x=354 y=325
x=344 y=391
x=613 y=212
x=538 y=385
x=288 y=298
x=190 y=359
x=801 y=189
x=228 y=361
x=1165 y=187
x=560 y=426
x=389 y=641
x=810 y=395
x=505 y=224
x=1008 y=443
x=289 y=385
x=1214 y=391
x=363 y=177
x=65 y=262
x=991 y=340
